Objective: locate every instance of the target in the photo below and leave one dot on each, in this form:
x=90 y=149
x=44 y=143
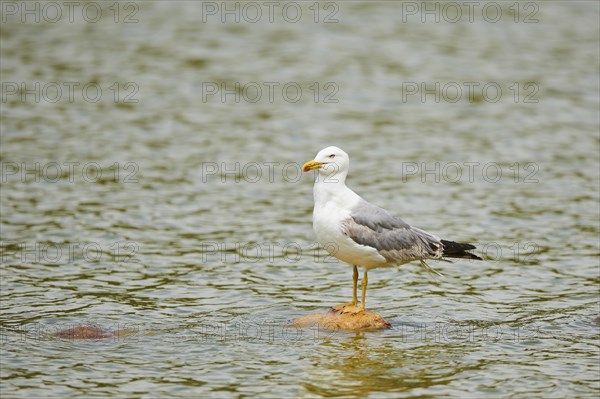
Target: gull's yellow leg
x=351 y=306
x=354 y=284
x=365 y=281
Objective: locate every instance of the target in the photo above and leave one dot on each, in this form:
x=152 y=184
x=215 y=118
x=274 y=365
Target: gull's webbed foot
x=347 y=308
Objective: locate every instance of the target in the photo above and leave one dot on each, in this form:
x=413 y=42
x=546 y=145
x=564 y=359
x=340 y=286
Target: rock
x=343 y=317
x=88 y=332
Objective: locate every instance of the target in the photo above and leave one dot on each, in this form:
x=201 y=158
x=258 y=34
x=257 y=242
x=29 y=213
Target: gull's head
x=329 y=161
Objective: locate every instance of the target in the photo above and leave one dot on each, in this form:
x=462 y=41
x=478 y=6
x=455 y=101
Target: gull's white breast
x=328 y=221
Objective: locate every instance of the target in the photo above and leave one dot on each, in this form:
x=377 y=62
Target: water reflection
x=357 y=366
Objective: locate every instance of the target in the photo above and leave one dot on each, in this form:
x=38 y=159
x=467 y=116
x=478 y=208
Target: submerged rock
x=88 y=332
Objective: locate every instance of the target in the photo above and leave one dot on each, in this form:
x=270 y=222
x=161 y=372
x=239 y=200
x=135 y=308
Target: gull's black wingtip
x=458 y=250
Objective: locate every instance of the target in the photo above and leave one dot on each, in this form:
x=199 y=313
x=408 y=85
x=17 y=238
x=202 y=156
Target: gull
x=365 y=235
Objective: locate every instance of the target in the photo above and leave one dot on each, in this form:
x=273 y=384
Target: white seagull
x=362 y=234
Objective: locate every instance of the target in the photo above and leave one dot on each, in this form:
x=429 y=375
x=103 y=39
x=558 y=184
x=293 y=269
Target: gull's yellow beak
x=310 y=165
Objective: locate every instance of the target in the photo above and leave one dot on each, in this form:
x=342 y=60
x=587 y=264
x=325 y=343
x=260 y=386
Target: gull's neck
x=333 y=189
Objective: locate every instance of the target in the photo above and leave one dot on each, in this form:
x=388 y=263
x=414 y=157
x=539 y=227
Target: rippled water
x=197 y=236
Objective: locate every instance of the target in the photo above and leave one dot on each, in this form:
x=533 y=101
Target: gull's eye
x=332 y=156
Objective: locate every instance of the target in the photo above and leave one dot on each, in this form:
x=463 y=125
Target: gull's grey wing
x=393 y=238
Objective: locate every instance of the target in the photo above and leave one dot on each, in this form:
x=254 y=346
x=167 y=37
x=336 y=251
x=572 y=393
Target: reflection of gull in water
x=363 y=234
x=355 y=366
